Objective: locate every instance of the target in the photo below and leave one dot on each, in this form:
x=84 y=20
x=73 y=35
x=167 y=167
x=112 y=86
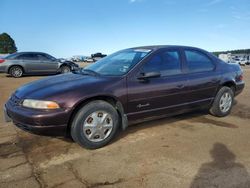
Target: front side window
x=166 y=62
x=118 y=63
x=42 y=57
x=50 y=57
x=198 y=62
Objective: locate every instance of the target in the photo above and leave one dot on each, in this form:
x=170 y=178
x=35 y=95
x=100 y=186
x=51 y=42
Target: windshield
x=118 y=63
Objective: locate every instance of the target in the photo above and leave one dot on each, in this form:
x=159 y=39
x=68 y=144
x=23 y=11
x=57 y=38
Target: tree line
x=240 y=51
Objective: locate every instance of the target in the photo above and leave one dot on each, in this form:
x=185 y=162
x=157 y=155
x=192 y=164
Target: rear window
x=11 y=56
x=166 y=62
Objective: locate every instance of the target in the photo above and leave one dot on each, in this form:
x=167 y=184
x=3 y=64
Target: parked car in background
x=98 y=56
x=240 y=61
x=243 y=62
x=89 y=60
x=21 y=63
x=127 y=87
x=78 y=58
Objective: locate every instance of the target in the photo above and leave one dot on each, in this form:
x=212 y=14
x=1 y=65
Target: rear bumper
x=37 y=121
x=239 y=87
x=3 y=69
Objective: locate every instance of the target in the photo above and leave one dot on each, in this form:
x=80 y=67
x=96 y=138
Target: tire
x=65 y=69
x=223 y=102
x=95 y=124
x=16 y=71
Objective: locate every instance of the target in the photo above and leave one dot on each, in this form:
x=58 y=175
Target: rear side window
x=198 y=62
x=166 y=62
x=27 y=57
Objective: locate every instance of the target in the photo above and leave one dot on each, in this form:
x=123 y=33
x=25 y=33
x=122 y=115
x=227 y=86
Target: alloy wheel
x=225 y=102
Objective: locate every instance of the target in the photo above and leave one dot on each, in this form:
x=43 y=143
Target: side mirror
x=145 y=76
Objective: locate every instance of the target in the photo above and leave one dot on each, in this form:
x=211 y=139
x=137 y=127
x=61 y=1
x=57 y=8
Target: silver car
x=21 y=63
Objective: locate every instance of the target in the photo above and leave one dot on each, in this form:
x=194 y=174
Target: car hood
x=52 y=86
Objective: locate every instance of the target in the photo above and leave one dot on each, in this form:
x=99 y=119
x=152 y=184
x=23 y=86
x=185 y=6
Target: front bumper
x=48 y=122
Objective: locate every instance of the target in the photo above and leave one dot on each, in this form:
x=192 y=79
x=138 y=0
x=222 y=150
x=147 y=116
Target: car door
x=29 y=61
x=47 y=64
x=203 y=78
x=159 y=95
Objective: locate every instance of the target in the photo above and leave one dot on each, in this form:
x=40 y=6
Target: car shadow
x=159 y=122
x=168 y=120
x=29 y=75
x=222 y=172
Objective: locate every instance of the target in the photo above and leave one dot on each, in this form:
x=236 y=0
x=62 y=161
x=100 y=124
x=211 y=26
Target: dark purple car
x=127 y=87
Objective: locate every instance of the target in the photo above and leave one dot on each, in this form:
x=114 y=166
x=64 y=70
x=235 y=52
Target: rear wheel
x=16 y=71
x=223 y=102
x=95 y=124
x=65 y=69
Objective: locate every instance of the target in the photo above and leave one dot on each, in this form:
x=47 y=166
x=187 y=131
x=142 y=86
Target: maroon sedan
x=127 y=87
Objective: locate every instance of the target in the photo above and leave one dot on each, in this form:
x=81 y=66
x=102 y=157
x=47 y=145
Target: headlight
x=30 y=103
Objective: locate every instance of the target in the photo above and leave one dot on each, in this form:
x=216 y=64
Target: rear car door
x=203 y=78
x=29 y=61
x=161 y=95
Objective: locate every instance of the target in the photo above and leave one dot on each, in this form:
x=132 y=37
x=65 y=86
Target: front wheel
x=65 y=69
x=223 y=102
x=95 y=124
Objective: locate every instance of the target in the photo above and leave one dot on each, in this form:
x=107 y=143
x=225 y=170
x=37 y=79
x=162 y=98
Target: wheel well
x=114 y=102
x=230 y=84
x=15 y=66
x=66 y=65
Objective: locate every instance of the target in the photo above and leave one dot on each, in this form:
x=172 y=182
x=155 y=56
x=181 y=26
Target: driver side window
x=166 y=62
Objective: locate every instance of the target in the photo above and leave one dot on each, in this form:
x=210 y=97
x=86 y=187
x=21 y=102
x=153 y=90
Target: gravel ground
x=189 y=150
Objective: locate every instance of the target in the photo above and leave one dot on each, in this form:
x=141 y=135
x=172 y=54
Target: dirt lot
x=190 y=150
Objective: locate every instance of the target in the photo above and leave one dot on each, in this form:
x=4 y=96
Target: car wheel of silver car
x=95 y=124
x=223 y=102
x=65 y=69
x=16 y=71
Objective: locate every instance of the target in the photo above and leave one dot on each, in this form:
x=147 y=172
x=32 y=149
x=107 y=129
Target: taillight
x=2 y=60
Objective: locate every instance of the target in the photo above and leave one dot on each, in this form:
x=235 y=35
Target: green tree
x=7 y=44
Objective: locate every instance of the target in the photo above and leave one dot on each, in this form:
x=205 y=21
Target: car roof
x=30 y=53
x=156 y=47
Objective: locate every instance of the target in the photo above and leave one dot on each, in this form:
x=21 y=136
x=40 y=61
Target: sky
x=64 y=28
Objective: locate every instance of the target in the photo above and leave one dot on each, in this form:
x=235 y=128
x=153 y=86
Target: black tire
x=218 y=111
x=65 y=69
x=77 y=126
x=16 y=71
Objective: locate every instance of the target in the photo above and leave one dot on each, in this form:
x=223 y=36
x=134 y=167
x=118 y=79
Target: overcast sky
x=80 y=27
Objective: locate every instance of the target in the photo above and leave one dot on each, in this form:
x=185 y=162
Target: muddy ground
x=190 y=150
